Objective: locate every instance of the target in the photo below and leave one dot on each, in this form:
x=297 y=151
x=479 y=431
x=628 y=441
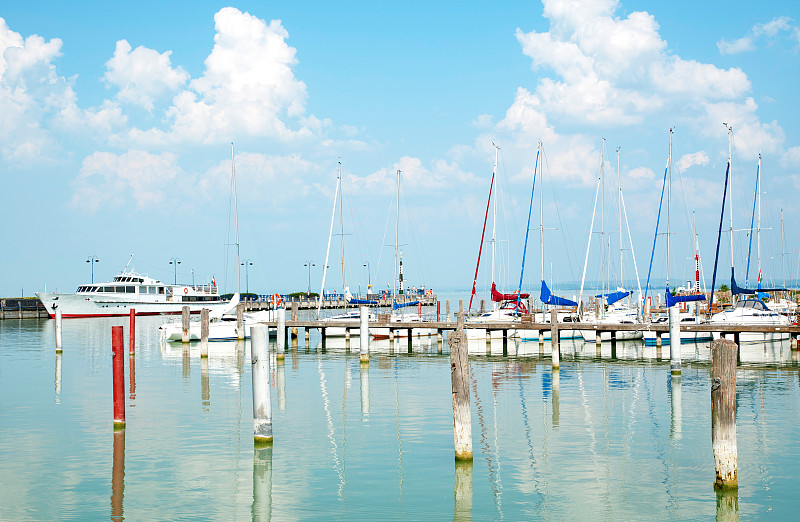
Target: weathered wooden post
x=240 y=321
x=294 y=318
x=723 y=412
x=204 y=332
x=118 y=367
x=280 y=349
x=132 y=333
x=58 y=330
x=185 y=324
x=674 y=341
x=459 y=365
x=483 y=306
x=555 y=342
x=447 y=309
x=262 y=407
x=364 y=335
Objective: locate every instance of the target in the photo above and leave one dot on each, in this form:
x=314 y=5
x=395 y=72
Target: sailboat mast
x=730 y=175
x=603 y=220
x=669 y=200
x=494 y=216
x=328 y=250
x=783 y=251
x=758 y=230
x=235 y=217
x=396 y=233
x=619 y=209
x=341 y=231
x=541 y=210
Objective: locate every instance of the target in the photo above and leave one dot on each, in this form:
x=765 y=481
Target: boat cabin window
x=130 y=289
x=752 y=303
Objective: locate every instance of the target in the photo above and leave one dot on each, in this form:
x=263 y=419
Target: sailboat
x=651 y=337
x=222 y=321
x=353 y=316
x=407 y=311
x=611 y=309
x=506 y=307
x=745 y=312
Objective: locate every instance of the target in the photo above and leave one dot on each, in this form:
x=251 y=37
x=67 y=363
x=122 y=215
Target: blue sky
x=118 y=120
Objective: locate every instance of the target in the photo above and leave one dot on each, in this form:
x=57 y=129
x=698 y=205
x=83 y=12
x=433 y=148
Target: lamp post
x=92 y=260
x=369 y=279
x=309 y=265
x=247 y=263
x=192 y=277
x=175 y=262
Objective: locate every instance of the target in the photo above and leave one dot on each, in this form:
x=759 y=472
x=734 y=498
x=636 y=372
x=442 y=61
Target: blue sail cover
x=675 y=299
x=548 y=298
x=362 y=302
x=738 y=290
x=396 y=306
x=613 y=297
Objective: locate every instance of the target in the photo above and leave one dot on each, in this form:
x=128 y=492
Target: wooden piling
x=723 y=413
x=204 y=332
x=185 y=324
x=132 y=333
x=118 y=368
x=262 y=406
x=280 y=348
x=674 y=341
x=555 y=342
x=447 y=308
x=240 y=321
x=459 y=364
x=364 y=335
x=58 y=330
x=295 y=306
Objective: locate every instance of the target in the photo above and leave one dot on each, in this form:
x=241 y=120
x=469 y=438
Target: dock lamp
x=92 y=260
x=309 y=265
x=175 y=262
x=247 y=263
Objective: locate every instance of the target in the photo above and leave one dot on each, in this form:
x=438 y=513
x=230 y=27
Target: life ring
x=276 y=300
x=185 y=290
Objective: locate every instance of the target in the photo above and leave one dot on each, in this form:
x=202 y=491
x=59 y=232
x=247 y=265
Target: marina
x=358 y=441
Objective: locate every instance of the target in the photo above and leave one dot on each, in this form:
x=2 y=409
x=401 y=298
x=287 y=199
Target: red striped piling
x=118 y=368
x=723 y=413
x=132 y=332
x=262 y=406
x=459 y=365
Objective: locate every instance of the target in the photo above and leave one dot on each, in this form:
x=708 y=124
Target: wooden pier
x=310 y=303
x=22 y=308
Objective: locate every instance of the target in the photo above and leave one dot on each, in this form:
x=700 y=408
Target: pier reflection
x=280 y=380
x=186 y=363
x=364 y=390
x=462 y=491
x=118 y=476
x=58 y=378
x=727 y=505
x=262 y=484
x=554 y=398
x=205 y=391
x=675 y=406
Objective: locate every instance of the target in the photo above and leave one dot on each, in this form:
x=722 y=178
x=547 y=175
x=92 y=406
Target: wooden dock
x=22 y=308
x=310 y=303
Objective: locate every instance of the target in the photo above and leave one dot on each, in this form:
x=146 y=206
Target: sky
x=118 y=118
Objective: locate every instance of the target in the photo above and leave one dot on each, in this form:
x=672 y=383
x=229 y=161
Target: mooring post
x=364 y=335
x=723 y=412
x=459 y=365
x=185 y=324
x=118 y=367
x=410 y=341
x=280 y=348
x=240 y=321
x=204 y=332
x=555 y=342
x=438 y=310
x=262 y=407
x=132 y=333
x=483 y=305
x=58 y=329
x=674 y=341
x=447 y=308
x=294 y=318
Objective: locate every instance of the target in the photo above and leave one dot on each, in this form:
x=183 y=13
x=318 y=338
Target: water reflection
x=205 y=390
x=364 y=390
x=262 y=484
x=186 y=363
x=118 y=475
x=132 y=379
x=58 y=378
x=556 y=378
x=280 y=379
x=728 y=505
x=675 y=406
x=462 y=491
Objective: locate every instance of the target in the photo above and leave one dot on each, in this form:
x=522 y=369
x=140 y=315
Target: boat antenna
x=129 y=263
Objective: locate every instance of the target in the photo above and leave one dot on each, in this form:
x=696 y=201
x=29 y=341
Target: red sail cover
x=497 y=296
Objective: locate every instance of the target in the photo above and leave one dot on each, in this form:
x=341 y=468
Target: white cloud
x=142 y=74
x=690 y=160
x=248 y=88
x=414 y=177
x=750 y=134
x=642 y=173
x=771 y=30
x=791 y=158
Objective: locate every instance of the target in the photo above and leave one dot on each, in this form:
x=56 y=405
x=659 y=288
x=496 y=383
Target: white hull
x=81 y=305
x=751 y=312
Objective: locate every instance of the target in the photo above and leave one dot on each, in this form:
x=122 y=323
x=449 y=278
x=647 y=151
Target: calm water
x=605 y=439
